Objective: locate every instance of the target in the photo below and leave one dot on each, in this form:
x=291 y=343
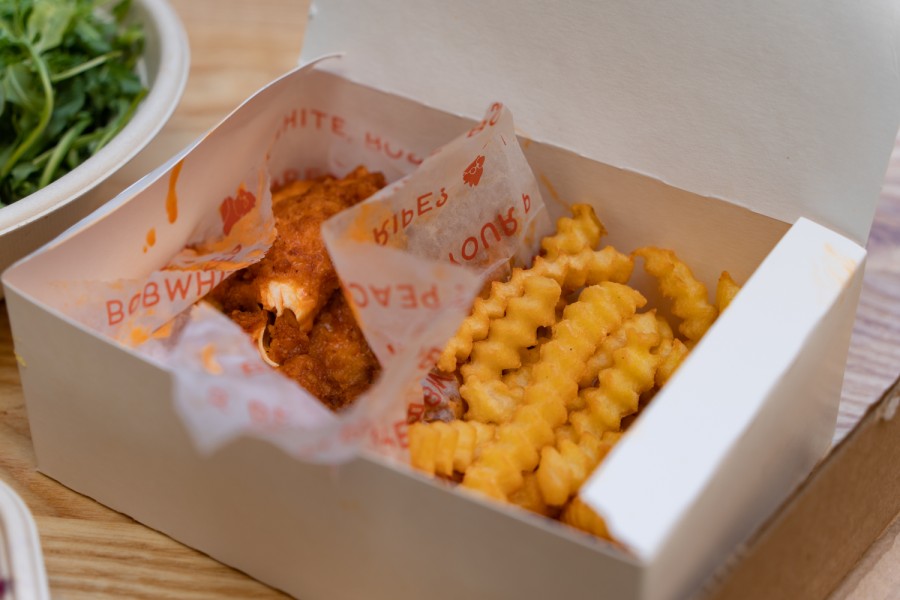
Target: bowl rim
x=151 y=115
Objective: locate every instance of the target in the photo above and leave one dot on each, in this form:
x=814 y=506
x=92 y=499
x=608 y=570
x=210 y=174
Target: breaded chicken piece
x=290 y=301
x=340 y=365
x=296 y=274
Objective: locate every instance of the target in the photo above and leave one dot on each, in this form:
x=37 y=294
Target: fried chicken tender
x=296 y=273
x=290 y=301
x=339 y=364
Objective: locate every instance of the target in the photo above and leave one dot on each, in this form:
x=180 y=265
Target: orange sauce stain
x=207 y=355
x=138 y=336
x=151 y=237
x=164 y=332
x=847 y=263
x=842 y=268
x=360 y=230
x=531 y=234
x=524 y=140
x=172 y=196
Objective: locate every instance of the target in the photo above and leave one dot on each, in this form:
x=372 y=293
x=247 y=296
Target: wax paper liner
x=411 y=258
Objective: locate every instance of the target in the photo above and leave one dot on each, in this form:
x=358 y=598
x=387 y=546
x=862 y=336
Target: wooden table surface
x=94 y=552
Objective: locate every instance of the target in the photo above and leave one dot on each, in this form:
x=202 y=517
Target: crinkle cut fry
x=586 y=322
x=677 y=282
x=583 y=230
x=529 y=497
x=588 y=267
x=488 y=397
x=442 y=448
x=569 y=257
x=620 y=386
x=567 y=465
x=670 y=353
x=517 y=380
x=579 y=515
x=726 y=289
x=603 y=357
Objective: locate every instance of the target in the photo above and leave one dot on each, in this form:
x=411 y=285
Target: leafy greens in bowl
x=68 y=121
x=69 y=85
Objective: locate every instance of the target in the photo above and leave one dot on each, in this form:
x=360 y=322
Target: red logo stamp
x=232 y=209
x=472 y=174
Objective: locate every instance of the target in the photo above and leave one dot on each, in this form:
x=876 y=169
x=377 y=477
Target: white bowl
x=36 y=219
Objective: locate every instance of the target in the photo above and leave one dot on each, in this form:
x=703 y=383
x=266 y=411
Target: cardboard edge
x=794 y=554
x=757 y=461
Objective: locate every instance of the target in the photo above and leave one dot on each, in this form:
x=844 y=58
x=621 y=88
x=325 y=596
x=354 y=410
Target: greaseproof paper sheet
x=410 y=258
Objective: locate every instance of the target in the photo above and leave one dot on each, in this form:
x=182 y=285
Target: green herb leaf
x=48 y=22
x=67 y=86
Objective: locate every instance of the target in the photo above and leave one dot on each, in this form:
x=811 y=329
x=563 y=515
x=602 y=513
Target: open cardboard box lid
x=787 y=108
x=789 y=111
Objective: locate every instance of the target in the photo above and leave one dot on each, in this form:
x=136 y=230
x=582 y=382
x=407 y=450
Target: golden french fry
x=664 y=328
x=514 y=332
x=587 y=267
x=565 y=432
x=442 y=448
x=603 y=357
x=620 y=386
x=570 y=260
x=489 y=399
x=565 y=467
x=677 y=283
x=586 y=322
x=612 y=437
x=529 y=497
x=726 y=290
x=583 y=230
x=671 y=354
x=579 y=515
x=516 y=380
x=549 y=437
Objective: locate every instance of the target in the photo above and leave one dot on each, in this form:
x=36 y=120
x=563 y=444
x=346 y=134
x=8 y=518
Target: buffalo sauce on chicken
x=290 y=302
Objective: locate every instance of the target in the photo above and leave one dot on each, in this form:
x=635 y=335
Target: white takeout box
x=752 y=138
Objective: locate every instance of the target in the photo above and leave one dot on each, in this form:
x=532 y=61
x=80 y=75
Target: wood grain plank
x=128 y=560
x=873 y=362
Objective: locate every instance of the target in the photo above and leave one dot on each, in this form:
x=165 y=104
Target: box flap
x=787 y=108
x=743 y=420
